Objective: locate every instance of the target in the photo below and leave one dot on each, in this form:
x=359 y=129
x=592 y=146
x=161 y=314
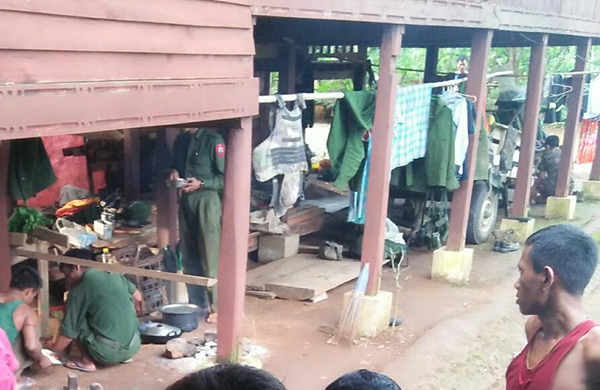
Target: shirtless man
x=563 y=349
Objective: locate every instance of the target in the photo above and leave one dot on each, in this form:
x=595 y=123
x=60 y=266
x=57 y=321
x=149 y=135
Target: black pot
x=183 y=316
x=155 y=333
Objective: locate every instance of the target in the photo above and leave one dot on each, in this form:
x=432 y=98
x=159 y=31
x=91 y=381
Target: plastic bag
x=79 y=237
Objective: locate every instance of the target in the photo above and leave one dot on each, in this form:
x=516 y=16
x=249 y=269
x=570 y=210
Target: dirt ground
x=451 y=337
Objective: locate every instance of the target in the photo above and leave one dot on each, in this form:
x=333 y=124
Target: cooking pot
x=155 y=333
x=183 y=316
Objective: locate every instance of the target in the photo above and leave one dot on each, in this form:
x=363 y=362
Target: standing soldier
x=199 y=156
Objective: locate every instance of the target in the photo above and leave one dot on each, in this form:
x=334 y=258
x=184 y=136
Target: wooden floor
x=302 y=277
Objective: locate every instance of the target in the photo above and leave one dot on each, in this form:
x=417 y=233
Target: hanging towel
x=358 y=199
x=460 y=118
x=413 y=107
x=593 y=108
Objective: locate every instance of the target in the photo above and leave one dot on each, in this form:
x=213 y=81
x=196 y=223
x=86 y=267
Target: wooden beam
x=17 y=239
x=431 y=63
x=117 y=268
x=570 y=141
x=131 y=152
x=44 y=297
x=379 y=178
x=50 y=236
x=535 y=82
x=87 y=107
x=287 y=77
x=5 y=262
x=476 y=86
x=166 y=197
x=233 y=258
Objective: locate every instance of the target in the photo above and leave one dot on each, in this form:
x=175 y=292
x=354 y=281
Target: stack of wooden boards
x=302 y=220
x=301 y=277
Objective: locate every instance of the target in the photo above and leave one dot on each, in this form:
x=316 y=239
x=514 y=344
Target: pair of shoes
x=506 y=247
x=497 y=245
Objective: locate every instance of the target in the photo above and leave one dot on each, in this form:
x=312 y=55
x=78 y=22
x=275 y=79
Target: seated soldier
x=228 y=377
x=548 y=169
x=363 y=380
x=100 y=316
x=19 y=321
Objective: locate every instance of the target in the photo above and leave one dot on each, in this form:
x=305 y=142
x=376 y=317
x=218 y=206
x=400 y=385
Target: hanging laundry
x=283 y=153
x=437 y=169
x=352 y=116
x=460 y=118
x=471 y=116
x=29 y=168
x=593 y=106
x=413 y=107
x=587 y=142
x=358 y=199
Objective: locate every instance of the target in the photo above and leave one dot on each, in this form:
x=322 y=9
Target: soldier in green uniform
x=548 y=167
x=199 y=156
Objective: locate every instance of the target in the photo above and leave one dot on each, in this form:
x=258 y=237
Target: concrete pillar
x=5 y=259
x=234 y=251
x=569 y=148
x=379 y=178
x=562 y=206
x=535 y=81
x=431 y=63
x=166 y=197
x=453 y=263
x=131 y=154
x=476 y=86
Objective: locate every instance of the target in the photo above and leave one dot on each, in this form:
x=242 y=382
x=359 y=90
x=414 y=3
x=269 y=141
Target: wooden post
x=166 y=197
x=535 y=83
x=5 y=258
x=131 y=152
x=569 y=148
x=431 y=63
x=379 y=173
x=476 y=86
x=287 y=77
x=233 y=258
x=44 y=297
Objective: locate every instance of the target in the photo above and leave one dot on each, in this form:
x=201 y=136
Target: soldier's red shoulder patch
x=220 y=150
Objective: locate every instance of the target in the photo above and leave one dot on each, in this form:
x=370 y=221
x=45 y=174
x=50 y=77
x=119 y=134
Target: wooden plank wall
x=136 y=48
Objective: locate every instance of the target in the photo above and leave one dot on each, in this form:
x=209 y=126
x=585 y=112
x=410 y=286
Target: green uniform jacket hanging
x=29 y=168
x=437 y=169
x=201 y=156
x=352 y=116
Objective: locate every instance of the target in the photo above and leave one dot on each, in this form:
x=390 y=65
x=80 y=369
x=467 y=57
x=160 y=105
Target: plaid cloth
x=413 y=105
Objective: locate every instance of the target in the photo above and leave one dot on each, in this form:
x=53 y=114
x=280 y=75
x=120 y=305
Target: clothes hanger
x=470 y=97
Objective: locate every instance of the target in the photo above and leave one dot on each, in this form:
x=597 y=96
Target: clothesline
x=340 y=95
x=579 y=73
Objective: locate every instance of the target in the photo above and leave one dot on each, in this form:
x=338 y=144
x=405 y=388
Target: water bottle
x=105 y=255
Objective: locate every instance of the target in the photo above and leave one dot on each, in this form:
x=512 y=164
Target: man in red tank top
x=563 y=349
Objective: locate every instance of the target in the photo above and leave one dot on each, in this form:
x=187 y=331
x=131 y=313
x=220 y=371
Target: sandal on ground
x=76 y=365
